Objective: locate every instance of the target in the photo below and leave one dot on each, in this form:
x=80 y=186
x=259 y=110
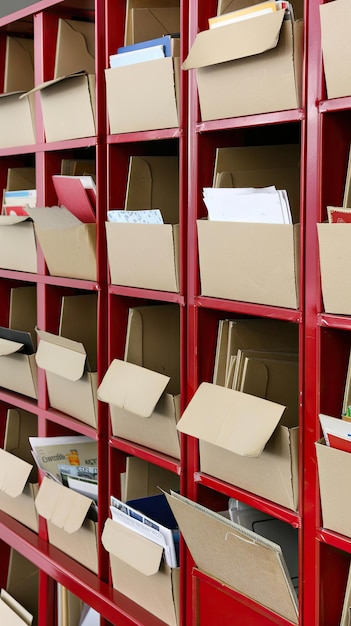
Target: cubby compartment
x=143 y=236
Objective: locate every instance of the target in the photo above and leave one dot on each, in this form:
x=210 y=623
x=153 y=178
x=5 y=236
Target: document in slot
x=249 y=12
x=144 y=525
x=78 y=195
x=338 y=215
x=166 y=41
x=149 y=216
x=50 y=452
x=140 y=55
x=334 y=427
x=15 y=202
x=256 y=205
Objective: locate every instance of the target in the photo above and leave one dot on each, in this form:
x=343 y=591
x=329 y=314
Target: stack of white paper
x=145 y=526
x=149 y=216
x=235 y=204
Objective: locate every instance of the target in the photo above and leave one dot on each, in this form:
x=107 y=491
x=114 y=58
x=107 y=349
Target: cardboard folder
x=232 y=409
x=262 y=166
x=19 y=64
x=274 y=378
x=225 y=6
x=157 y=11
x=140 y=409
x=153 y=183
x=75 y=47
x=68 y=245
x=69 y=528
x=235 y=41
x=153 y=341
x=22 y=582
x=150 y=23
x=18 y=486
x=245 y=561
x=20 y=178
x=17 y=362
x=121 y=381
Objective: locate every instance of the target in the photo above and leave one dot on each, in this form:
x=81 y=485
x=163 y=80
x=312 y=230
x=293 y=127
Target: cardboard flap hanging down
x=46 y=218
x=53 y=81
x=132 y=548
x=235 y=41
x=230 y=419
x=65 y=508
x=245 y=561
x=61 y=356
x=12 y=220
x=14 y=473
x=132 y=388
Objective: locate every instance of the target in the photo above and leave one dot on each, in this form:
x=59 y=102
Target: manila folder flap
x=229 y=419
x=235 y=41
x=132 y=388
x=65 y=508
x=61 y=356
x=240 y=558
x=132 y=548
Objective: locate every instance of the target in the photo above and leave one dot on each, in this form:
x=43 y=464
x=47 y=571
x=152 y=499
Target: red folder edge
x=73 y=196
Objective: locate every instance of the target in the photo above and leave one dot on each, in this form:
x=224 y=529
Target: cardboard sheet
x=243 y=422
x=248 y=563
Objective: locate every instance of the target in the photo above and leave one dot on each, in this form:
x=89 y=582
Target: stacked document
x=16 y=202
x=247 y=204
x=78 y=195
x=336 y=432
x=147 y=216
x=249 y=12
x=55 y=455
x=149 y=50
x=159 y=528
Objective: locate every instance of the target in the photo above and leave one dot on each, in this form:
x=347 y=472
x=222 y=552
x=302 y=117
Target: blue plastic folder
x=165 y=41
